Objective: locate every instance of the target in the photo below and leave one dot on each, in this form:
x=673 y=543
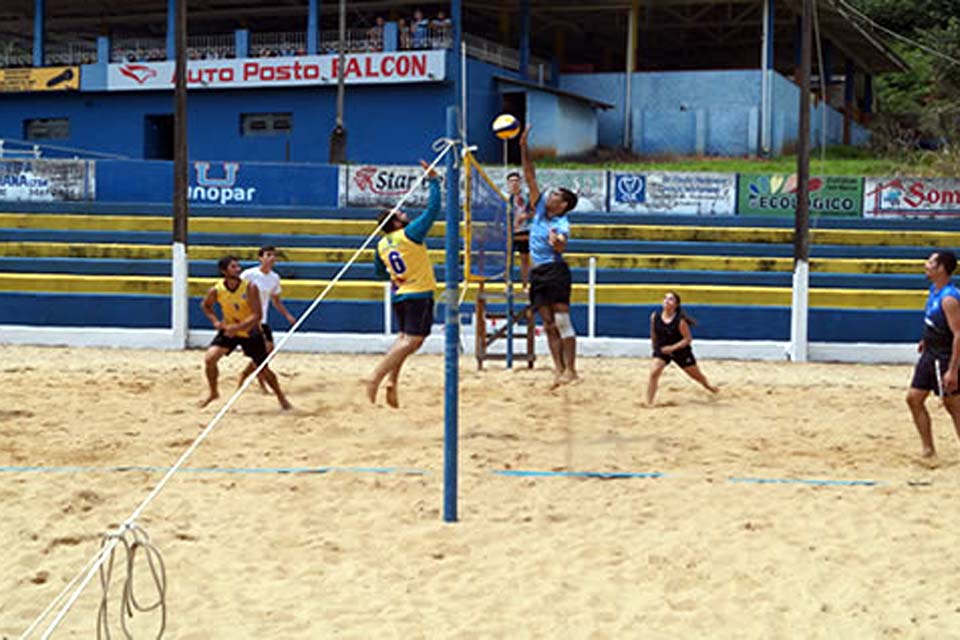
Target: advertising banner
x=220 y=184
x=704 y=194
x=776 y=195
x=46 y=180
x=911 y=197
x=382 y=186
x=291 y=71
x=589 y=184
x=39 y=79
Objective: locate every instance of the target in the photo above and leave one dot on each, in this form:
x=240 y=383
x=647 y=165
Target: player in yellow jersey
x=402 y=256
x=239 y=302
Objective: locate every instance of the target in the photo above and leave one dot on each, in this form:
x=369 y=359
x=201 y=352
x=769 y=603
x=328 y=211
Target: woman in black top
x=670 y=338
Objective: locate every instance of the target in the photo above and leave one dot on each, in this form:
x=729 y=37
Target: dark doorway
x=514 y=103
x=158 y=137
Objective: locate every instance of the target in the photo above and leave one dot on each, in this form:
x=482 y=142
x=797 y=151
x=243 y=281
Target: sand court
x=357 y=549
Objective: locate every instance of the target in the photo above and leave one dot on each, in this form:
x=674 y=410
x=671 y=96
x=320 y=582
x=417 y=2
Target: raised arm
x=420 y=227
x=529 y=173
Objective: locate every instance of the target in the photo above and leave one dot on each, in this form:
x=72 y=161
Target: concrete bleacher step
x=574 y=259
x=362 y=228
x=626 y=294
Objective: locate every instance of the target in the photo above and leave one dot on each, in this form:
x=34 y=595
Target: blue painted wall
x=386 y=124
x=663 y=104
x=219 y=184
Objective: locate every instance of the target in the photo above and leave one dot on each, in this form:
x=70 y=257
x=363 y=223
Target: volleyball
x=506 y=126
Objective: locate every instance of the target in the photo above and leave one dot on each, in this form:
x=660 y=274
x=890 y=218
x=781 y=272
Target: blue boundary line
x=514 y=473
x=251 y=470
x=604 y=475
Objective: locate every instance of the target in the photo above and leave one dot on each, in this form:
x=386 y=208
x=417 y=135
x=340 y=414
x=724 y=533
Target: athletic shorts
x=683 y=357
x=267 y=332
x=521 y=243
x=253 y=346
x=925 y=373
x=550 y=283
x=415 y=316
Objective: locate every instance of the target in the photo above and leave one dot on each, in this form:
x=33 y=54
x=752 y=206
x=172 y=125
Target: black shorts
x=267 y=332
x=253 y=346
x=683 y=357
x=415 y=316
x=925 y=373
x=521 y=243
x=550 y=283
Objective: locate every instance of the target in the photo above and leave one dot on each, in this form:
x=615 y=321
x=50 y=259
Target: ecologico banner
x=776 y=195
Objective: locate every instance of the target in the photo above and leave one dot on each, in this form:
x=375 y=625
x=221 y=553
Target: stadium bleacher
x=734 y=273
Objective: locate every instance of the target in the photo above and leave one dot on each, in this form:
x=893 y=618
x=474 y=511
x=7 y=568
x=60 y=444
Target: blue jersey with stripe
x=937 y=336
x=540 y=250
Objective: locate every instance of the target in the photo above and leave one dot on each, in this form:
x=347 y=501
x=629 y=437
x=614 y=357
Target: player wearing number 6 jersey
x=402 y=256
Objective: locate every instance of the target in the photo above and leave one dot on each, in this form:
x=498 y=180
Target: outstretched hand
x=431 y=173
x=524 y=135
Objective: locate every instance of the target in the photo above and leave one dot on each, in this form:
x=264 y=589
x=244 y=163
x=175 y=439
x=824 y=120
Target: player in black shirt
x=670 y=338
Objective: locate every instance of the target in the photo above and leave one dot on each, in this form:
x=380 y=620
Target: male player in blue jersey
x=939 y=349
x=402 y=257
x=550 y=279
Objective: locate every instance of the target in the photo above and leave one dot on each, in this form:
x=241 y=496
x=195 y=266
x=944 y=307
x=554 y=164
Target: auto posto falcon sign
x=365 y=68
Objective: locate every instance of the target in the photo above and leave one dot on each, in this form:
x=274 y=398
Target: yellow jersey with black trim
x=235 y=304
x=408 y=264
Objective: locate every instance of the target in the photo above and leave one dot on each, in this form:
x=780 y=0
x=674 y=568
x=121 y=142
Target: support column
x=797 y=37
x=241 y=43
x=171 y=29
x=524 y=38
x=848 y=87
x=766 y=79
x=39 y=16
x=313 y=26
x=633 y=27
x=103 y=50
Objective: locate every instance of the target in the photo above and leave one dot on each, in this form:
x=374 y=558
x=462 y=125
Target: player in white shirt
x=268 y=283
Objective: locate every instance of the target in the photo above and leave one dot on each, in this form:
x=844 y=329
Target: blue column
x=391 y=37
x=241 y=43
x=103 y=50
x=171 y=29
x=313 y=25
x=39 y=8
x=524 y=38
x=452 y=342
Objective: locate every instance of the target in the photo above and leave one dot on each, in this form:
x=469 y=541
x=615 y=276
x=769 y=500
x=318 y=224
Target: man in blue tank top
x=550 y=280
x=939 y=348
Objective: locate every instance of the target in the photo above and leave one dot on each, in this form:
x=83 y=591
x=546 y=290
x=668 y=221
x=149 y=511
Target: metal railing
x=283 y=43
x=357 y=41
x=504 y=56
x=70 y=53
x=7 y=153
x=432 y=37
x=125 y=49
x=211 y=47
x=15 y=53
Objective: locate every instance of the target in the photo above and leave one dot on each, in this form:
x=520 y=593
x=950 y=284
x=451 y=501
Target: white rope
x=443 y=145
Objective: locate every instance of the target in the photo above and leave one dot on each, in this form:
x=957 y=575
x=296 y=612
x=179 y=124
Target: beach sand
x=355 y=554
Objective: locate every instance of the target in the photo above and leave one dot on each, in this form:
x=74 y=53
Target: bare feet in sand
x=371 y=388
x=392 y=398
x=928 y=459
x=209 y=399
x=285 y=404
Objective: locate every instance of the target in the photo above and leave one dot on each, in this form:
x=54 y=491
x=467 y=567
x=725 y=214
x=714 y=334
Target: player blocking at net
x=550 y=278
x=402 y=257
